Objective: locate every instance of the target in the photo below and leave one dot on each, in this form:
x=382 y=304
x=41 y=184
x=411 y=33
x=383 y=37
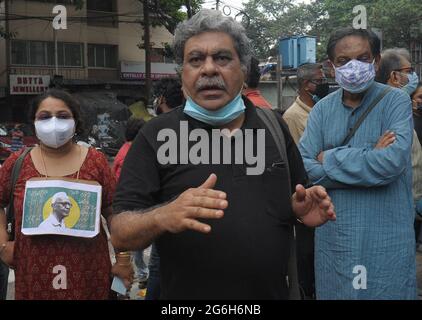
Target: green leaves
x=400 y=21
x=272 y=19
x=168 y=13
x=79 y=4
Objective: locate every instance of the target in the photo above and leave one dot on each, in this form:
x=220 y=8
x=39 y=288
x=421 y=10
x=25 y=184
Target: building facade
x=99 y=50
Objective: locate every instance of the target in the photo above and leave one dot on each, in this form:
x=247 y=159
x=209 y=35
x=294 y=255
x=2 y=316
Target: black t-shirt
x=245 y=255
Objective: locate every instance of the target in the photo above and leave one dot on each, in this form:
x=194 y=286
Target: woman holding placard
x=70 y=261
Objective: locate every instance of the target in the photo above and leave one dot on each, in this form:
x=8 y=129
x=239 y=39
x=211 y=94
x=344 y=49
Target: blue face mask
x=411 y=86
x=218 y=117
x=355 y=76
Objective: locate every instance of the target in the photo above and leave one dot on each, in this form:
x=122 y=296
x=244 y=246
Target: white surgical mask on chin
x=54 y=132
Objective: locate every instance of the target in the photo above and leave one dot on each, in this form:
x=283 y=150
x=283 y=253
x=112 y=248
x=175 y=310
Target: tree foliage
x=168 y=13
x=396 y=18
x=272 y=19
x=399 y=20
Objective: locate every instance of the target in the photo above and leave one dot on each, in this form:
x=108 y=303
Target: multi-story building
x=98 y=51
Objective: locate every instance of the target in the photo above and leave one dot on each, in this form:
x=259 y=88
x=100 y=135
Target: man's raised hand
x=313 y=205
x=195 y=203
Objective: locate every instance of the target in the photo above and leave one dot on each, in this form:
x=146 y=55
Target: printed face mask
x=54 y=132
x=355 y=76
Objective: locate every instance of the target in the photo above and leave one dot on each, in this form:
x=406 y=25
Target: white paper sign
x=28 y=84
x=62 y=207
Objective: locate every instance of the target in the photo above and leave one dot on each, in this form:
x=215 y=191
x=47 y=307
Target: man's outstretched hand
x=313 y=206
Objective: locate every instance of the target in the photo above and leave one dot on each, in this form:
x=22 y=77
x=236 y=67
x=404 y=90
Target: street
x=137 y=294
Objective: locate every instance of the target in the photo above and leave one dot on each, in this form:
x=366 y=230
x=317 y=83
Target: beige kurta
x=296 y=118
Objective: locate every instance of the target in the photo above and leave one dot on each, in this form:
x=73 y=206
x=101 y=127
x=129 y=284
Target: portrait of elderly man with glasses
x=220 y=233
x=61 y=206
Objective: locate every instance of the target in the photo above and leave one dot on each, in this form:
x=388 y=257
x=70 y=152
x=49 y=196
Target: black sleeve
x=297 y=170
x=139 y=181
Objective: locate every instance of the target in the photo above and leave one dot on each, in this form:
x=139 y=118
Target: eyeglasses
x=319 y=81
x=406 y=70
x=65 y=204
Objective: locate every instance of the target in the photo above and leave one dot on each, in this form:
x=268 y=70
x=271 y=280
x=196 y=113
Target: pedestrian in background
x=169 y=96
x=313 y=86
x=396 y=71
x=417 y=110
x=132 y=128
x=17 y=138
x=251 y=86
x=369 y=251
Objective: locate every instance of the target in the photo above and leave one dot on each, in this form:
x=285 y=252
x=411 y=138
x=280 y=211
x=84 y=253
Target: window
x=91 y=55
x=37 y=53
x=50 y=54
x=101 y=13
x=99 y=57
x=110 y=56
x=101 y=5
x=102 y=56
x=72 y=54
x=19 y=52
x=55 y=1
x=41 y=53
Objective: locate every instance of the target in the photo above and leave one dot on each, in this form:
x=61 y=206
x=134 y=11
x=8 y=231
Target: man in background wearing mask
x=396 y=70
x=220 y=233
x=417 y=110
x=313 y=86
x=369 y=251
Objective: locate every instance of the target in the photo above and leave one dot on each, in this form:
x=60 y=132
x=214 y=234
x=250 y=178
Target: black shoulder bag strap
x=272 y=124
x=10 y=214
x=365 y=114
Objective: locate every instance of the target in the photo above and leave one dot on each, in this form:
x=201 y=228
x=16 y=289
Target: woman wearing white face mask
x=56 y=118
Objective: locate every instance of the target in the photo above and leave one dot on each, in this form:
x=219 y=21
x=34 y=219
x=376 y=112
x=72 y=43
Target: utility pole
x=217 y=4
x=147 y=47
x=7 y=30
x=56 y=52
x=279 y=81
x=188 y=8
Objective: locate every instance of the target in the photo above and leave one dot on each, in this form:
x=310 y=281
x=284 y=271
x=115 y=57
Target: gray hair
x=307 y=72
x=59 y=195
x=391 y=60
x=212 y=20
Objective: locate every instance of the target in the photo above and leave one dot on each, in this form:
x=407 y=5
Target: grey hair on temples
x=212 y=20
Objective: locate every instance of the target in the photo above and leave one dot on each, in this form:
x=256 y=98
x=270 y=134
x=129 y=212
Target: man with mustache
x=220 y=233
